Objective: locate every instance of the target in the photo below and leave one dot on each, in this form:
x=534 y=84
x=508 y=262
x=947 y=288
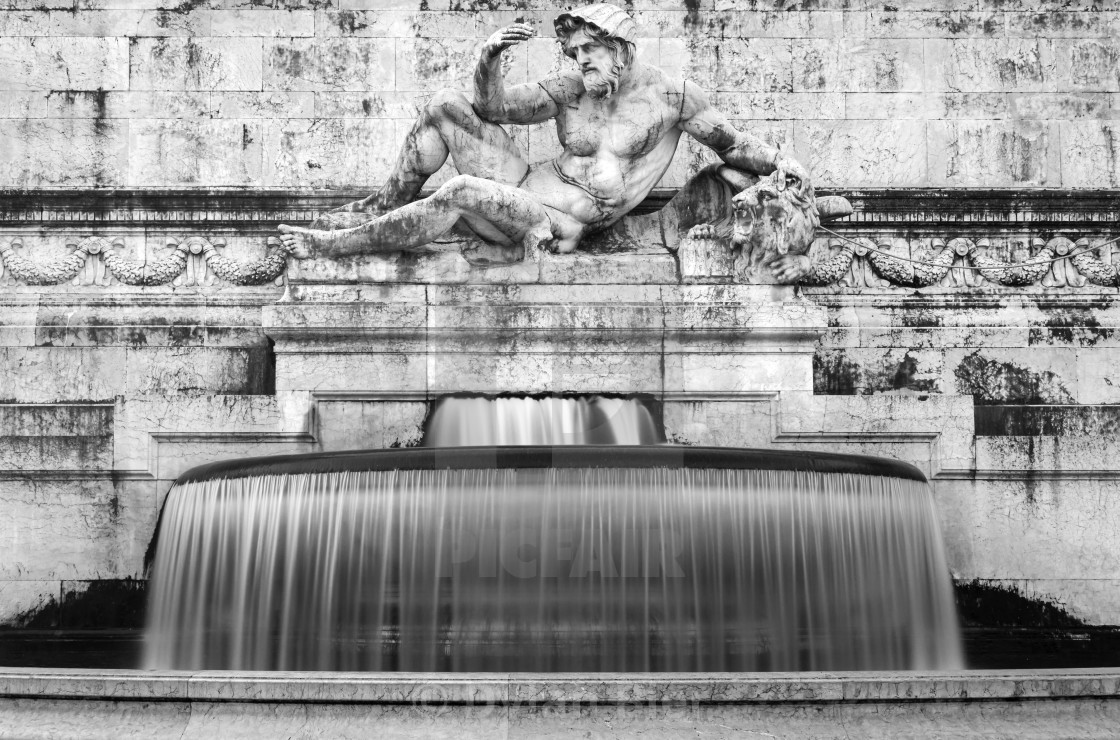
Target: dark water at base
x=996 y=648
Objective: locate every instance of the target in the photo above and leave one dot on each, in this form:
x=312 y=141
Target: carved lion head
x=771 y=220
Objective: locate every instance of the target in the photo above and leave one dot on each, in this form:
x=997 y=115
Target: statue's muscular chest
x=628 y=128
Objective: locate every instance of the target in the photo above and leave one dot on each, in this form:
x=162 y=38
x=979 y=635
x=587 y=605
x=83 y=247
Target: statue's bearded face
x=598 y=64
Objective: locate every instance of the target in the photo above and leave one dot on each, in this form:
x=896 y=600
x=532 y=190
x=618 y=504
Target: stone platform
x=971 y=704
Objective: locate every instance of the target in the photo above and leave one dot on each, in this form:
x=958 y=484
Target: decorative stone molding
x=95 y=260
x=982 y=240
x=257 y=272
x=48 y=272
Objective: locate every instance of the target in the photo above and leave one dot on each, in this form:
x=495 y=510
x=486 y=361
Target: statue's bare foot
x=789 y=268
x=298 y=241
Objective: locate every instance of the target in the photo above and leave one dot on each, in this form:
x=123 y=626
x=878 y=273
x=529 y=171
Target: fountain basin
x=567 y=558
x=156 y=704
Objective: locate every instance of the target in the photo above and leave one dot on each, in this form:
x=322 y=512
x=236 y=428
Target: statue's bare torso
x=615 y=150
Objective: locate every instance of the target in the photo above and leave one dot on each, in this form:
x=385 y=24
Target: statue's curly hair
x=622 y=51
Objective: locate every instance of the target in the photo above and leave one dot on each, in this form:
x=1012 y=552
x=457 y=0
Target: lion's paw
x=703 y=231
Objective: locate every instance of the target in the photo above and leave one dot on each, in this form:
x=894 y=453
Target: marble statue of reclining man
x=618 y=121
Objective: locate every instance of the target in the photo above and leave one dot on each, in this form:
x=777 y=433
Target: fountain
x=558 y=555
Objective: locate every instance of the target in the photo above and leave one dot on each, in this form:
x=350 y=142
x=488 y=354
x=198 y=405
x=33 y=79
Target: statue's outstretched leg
x=499 y=213
x=448 y=125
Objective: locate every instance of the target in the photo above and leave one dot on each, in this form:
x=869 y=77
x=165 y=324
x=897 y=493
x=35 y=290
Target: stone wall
x=317 y=93
x=146 y=330
x=1004 y=394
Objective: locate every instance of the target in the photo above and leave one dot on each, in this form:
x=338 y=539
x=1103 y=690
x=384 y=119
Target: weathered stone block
x=1092 y=154
x=329 y=104
x=722 y=423
x=852 y=153
x=741 y=65
x=262 y=22
x=1089 y=64
x=195 y=64
x=64 y=64
x=1027 y=523
x=1064 y=106
x=424 y=64
x=29 y=601
x=782 y=24
x=179 y=152
x=780 y=106
x=272 y=104
x=56 y=437
x=858 y=64
x=140 y=418
x=382 y=371
x=1008 y=375
x=334 y=64
x=642 y=269
x=412 y=23
x=128 y=23
x=729 y=371
x=349 y=425
x=197 y=370
x=333 y=153
x=911 y=23
x=974 y=153
x=991 y=65
x=1083 y=23
x=67 y=529
x=558 y=369
x=48 y=375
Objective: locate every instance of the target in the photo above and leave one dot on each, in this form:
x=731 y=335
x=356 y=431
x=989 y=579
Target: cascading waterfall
x=458 y=422
x=552 y=559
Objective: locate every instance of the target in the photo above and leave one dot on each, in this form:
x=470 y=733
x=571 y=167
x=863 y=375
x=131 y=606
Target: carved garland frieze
x=96 y=260
x=864 y=262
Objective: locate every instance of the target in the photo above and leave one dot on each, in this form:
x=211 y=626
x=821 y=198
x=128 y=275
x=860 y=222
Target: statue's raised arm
x=495 y=103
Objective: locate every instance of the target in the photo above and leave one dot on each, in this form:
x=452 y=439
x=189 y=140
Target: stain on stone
x=349 y=22
x=1026 y=65
x=261 y=371
x=834 y=374
x=1092 y=63
x=921 y=318
x=246 y=137
x=1025 y=155
x=288 y=61
x=1077 y=326
x=186 y=335
x=188 y=6
x=993 y=382
x=837 y=374
x=904 y=376
x=90 y=605
x=1046 y=421
x=984 y=604
x=103 y=604
x=692 y=14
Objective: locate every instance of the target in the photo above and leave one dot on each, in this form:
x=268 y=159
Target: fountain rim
x=558 y=456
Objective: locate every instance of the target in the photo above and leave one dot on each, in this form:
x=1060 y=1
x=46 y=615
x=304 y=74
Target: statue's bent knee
x=450 y=105
x=460 y=188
